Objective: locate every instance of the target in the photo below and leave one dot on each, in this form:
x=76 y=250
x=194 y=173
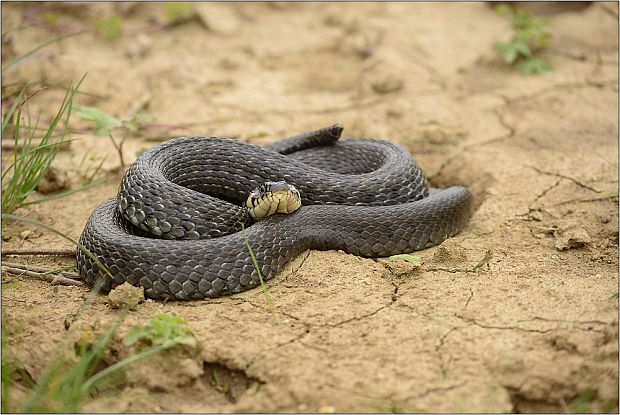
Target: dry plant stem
x=39 y=251
x=54 y=279
x=119 y=148
x=67 y=274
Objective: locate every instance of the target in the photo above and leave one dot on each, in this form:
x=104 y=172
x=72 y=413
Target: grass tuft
x=31 y=157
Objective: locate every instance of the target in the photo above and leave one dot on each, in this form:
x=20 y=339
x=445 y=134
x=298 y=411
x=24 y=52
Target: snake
x=182 y=226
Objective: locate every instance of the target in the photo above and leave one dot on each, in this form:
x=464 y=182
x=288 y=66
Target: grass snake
x=175 y=227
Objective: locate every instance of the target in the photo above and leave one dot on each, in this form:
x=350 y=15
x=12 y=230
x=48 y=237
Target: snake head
x=272 y=197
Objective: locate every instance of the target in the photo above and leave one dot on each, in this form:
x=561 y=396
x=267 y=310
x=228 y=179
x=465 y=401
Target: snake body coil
x=364 y=196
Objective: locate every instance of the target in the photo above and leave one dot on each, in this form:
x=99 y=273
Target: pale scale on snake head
x=175 y=227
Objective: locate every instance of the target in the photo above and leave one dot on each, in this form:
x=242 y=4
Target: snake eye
x=262 y=188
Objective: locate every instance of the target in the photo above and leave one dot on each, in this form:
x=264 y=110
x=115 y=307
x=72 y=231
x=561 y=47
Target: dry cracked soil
x=517 y=313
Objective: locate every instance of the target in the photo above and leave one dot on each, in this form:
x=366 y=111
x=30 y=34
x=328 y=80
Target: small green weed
x=609 y=195
x=485 y=260
x=106 y=123
x=111 y=26
x=530 y=36
x=31 y=157
x=216 y=382
x=178 y=11
x=412 y=259
x=163 y=330
x=581 y=404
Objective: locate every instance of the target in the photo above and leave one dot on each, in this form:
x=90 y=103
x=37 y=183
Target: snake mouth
x=272 y=197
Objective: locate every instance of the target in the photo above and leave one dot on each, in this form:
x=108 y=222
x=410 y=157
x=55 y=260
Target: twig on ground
x=54 y=279
x=33 y=268
x=39 y=251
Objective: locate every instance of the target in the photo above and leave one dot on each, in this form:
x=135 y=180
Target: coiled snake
x=175 y=227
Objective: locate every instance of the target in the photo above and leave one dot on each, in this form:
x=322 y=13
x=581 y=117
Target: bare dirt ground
x=534 y=329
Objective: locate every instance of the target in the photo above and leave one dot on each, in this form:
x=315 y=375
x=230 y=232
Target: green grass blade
x=19 y=59
x=263 y=286
x=9 y=114
x=88 y=385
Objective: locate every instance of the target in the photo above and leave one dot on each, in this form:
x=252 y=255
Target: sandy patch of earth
x=533 y=329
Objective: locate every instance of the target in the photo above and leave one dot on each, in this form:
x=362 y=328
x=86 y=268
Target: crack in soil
x=486 y=326
x=471 y=295
x=510 y=133
x=544 y=192
x=577 y=182
x=435 y=390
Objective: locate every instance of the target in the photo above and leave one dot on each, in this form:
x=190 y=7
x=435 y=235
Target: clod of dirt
x=53 y=181
x=570 y=236
x=126 y=294
x=167 y=370
x=450 y=254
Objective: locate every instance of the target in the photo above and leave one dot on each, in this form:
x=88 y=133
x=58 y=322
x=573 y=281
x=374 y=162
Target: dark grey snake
x=365 y=196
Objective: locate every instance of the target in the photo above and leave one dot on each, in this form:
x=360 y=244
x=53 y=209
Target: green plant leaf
x=513 y=50
x=104 y=123
x=111 y=26
x=530 y=35
x=413 y=259
x=532 y=66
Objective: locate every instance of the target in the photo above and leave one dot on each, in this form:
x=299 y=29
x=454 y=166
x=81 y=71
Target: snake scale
x=175 y=227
